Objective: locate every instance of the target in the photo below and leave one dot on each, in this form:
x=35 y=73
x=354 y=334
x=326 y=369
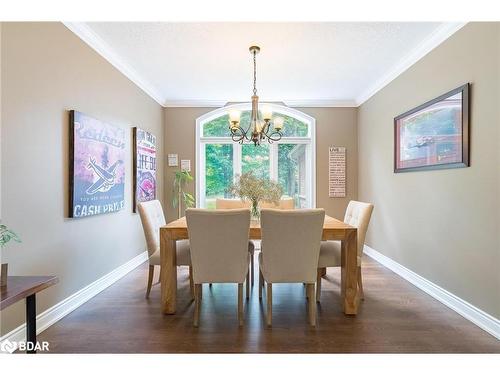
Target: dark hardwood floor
x=395 y=317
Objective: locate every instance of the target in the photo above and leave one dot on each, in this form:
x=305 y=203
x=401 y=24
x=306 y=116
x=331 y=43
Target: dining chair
x=219 y=251
x=152 y=219
x=290 y=250
x=284 y=204
x=358 y=215
x=233 y=204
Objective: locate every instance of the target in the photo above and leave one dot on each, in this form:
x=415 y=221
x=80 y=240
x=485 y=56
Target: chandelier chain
x=254 y=74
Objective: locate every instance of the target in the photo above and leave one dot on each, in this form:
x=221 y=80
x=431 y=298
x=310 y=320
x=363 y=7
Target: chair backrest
x=285 y=204
x=358 y=215
x=218 y=240
x=291 y=241
x=231 y=204
x=152 y=219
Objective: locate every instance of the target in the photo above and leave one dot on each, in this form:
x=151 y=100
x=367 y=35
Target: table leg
x=31 y=323
x=349 y=274
x=168 y=260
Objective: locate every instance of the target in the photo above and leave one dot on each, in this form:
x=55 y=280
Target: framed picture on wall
x=434 y=135
x=96 y=166
x=144 y=166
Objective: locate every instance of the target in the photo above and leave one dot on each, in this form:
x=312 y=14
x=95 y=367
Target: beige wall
x=444 y=225
x=47 y=71
x=334 y=127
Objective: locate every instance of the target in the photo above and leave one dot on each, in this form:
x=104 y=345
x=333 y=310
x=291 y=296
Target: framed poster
x=173 y=160
x=434 y=135
x=186 y=165
x=336 y=172
x=96 y=166
x=144 y=166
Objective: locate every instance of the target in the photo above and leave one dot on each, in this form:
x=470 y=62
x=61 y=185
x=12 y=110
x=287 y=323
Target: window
x=290 y=161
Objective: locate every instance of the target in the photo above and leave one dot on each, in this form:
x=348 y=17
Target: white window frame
x=309 y=140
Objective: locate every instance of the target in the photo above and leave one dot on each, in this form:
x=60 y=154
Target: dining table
x=333 y=229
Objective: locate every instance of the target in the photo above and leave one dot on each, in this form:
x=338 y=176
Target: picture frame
x=96 y=166
x=143 y=166
x=434 y=135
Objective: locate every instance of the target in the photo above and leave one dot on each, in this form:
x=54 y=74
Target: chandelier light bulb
x=278 y=123
x=234 y=116
x=267 y=113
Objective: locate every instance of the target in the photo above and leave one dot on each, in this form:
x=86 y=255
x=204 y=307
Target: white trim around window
x=310 y=141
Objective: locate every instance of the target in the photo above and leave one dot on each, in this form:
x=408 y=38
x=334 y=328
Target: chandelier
x=262 y=125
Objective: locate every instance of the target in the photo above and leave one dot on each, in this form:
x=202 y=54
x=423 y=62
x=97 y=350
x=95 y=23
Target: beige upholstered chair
x=290 y=248
x=234 y=204
x=358 y=215
x=285 y=204
x=231 y=204
x=219 y=250
x=152 y=219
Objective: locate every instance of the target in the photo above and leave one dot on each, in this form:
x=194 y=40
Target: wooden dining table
x=333 y=229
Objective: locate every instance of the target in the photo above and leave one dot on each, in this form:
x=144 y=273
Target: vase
x=255 y=210
x=3 y=274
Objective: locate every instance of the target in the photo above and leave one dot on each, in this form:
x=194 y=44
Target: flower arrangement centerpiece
x=249 y=187
x=5 y=236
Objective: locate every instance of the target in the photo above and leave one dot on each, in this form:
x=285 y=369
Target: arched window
x=291 y=161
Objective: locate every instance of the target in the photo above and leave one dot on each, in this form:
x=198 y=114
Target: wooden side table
x=20 y=287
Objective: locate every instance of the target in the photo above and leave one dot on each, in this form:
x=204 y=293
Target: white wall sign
x=336 y=172
x=186 y=165
x=173 y=160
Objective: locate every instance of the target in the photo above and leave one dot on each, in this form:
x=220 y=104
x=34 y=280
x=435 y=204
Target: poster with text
x=144 y=166
x=97 y=169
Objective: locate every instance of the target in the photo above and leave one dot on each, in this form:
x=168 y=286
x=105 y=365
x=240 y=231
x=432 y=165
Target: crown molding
x=85 y=33
x=289 y=103
x=442 y=33
x=194 y=103
x=320 y=103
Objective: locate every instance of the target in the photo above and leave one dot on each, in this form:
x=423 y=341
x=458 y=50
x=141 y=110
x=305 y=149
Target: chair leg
x=269 y=316
x=261 y=284
x=150 y=279
x=318 y=285
x=197 y=303
x=323 y=271
x=360 y=284
x=252 y=267
x=191 y=283
x=248 y=286
x=159 y=277
x=312 y=305
x=240 y=304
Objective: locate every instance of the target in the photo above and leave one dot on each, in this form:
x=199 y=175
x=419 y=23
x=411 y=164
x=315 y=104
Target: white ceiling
x=330 y=64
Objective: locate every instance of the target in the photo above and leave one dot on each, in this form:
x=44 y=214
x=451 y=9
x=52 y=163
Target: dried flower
x=248 y=186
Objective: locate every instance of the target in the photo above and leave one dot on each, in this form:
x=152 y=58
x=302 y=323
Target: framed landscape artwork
x=434 y=135
x=144 y=145
x=96 y=166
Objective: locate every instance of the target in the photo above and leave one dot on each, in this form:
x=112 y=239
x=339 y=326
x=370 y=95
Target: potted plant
x=181 y=196
x=5 y=236
x=248 y=186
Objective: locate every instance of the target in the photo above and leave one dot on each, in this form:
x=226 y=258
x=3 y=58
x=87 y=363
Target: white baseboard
x=45 y=319
x=480 y=318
